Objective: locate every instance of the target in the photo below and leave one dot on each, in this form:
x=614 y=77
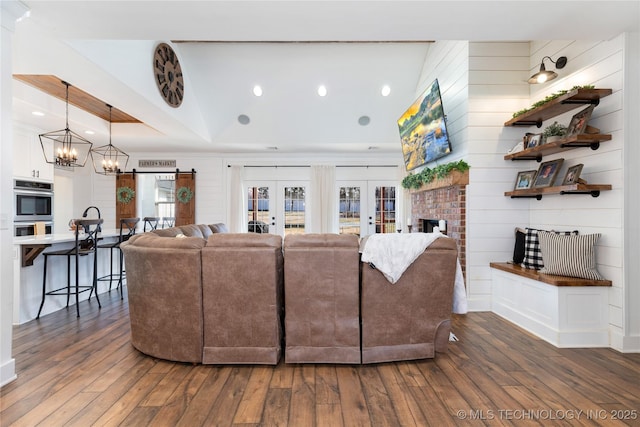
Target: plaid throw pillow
x=532 y=254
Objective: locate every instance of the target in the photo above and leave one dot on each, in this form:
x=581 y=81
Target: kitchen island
x=28 y=271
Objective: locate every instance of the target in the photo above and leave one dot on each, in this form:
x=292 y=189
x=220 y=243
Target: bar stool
x=82 y=247
x=168 y=221
x=127 y=229
x=152 y=221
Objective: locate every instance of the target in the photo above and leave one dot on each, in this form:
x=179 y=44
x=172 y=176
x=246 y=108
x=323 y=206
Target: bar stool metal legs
x=82 y=247
x=127 y=229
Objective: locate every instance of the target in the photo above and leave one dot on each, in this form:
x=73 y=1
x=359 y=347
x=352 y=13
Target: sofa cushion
x=244 y=240
x=192 y=230
x=320 y=240
x=219 y=228
x=167 y=232
x=152 y=240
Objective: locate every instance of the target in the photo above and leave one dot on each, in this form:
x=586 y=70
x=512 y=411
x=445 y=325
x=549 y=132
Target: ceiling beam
x=55 y=87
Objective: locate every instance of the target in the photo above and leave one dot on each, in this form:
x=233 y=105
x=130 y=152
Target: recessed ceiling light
x=257 y=90
x=37 y=113
x=89 y=132
x=244 y=119
x=322 y=90
x=385 y=91
x=364 y=120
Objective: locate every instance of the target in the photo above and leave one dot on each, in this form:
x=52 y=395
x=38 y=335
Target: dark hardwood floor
x=84 y=372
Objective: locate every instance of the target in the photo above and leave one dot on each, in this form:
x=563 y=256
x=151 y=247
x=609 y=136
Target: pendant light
x=109 y=160
x=64 y=148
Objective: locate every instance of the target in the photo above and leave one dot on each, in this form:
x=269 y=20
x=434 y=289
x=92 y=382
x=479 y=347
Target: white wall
x=497 y=72
x=630 y=339
x=9 y=12
x=600 y=64
x=212 y=181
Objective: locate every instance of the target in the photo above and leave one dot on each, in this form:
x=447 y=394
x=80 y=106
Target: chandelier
x=108 y=160
x=64 y=148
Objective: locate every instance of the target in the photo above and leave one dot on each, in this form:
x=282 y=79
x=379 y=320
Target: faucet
x=84 y=215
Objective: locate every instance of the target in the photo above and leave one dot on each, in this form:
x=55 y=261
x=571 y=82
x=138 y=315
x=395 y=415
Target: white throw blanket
x=392 y=254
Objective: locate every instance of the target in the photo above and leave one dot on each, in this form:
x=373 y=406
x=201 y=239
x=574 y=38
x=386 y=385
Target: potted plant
x=427 y=175
x=554 y=132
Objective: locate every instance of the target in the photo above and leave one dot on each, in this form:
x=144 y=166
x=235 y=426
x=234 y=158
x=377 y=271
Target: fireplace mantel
x=454 y=178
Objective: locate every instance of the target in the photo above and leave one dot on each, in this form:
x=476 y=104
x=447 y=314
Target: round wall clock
x=168 y=75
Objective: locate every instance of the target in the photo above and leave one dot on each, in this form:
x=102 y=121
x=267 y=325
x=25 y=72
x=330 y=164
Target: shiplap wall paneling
x=497 y=88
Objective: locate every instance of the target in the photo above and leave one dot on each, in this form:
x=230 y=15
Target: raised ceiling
x=289 y=48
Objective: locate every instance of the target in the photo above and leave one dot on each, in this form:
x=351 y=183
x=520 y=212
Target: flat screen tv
x=423 y=129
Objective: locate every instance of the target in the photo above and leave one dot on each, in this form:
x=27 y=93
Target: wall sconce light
x=543 y=75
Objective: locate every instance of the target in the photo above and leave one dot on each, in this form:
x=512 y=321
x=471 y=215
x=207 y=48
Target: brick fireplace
x=443 y=199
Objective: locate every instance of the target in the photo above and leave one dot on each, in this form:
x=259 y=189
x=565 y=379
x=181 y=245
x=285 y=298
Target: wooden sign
x=156 y=163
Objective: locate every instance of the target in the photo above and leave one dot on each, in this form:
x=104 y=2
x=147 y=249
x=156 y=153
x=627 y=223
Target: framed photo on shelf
x=573 y=175
x=547 y=173
x=524 y=181
x=579 y=122
x=534 y=140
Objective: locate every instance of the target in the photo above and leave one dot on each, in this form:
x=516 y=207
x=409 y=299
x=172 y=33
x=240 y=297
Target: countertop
x=49 y=239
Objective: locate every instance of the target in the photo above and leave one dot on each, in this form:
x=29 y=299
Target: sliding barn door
x=125 y=197
x=185 y=198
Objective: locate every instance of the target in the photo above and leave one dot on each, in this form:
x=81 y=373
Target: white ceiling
x=287 y=47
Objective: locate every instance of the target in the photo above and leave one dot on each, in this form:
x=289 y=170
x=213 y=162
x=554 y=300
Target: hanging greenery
x=125 y=194
x=184 y=195
x=427 y=175
x=551 y=97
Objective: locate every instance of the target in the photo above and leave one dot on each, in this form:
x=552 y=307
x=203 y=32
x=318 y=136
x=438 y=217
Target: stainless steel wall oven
x=33 y=202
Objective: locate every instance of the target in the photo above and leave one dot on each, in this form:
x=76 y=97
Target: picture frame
x=573 y=175
x=525 y=179
x=579 y=122
x=547 y=172
x=534 y=140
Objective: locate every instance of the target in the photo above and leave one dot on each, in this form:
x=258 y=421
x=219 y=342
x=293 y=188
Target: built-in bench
x=550 y=279
x=565 y=311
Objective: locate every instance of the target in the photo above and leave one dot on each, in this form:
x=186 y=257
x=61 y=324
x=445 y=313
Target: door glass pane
x=350 y=210
x=385 y=209
x=294 y=210
x=165 y=196
x=258 y=209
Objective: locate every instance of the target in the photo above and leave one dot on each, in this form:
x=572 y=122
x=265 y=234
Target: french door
x=367 y=207
x=277 y=207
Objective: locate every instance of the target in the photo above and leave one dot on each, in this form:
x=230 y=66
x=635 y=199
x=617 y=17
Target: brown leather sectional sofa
x=198 y=294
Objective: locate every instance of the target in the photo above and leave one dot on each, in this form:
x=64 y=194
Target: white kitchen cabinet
x=28 y=158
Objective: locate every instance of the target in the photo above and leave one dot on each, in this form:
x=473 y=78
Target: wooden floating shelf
x=559 y=105
x=454 y=177
x=578 y=188
x=575 y=141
